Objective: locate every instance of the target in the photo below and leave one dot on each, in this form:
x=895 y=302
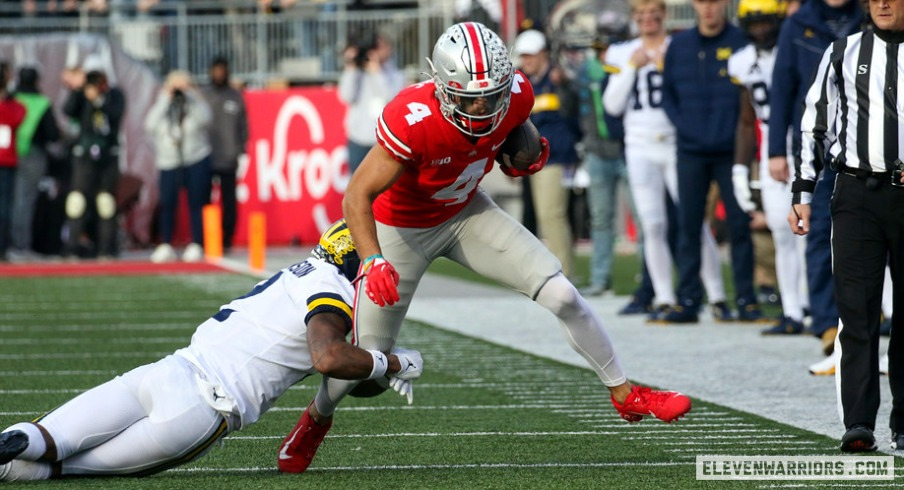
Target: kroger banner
x=296 y=171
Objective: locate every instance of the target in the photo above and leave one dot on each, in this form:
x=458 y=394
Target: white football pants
x=147 y=420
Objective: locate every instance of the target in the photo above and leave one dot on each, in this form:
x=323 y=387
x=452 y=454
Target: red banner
x=297 y=167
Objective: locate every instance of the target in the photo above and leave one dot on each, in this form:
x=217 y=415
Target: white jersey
x=636 y=93
x=752 y=68
x=255 y=348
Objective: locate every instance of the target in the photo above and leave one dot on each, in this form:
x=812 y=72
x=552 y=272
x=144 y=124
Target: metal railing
x=301 y=43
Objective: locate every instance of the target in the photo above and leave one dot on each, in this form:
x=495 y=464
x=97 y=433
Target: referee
x=853 y=120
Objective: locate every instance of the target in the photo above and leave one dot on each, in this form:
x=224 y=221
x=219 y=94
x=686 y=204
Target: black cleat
x=12 y=444
x=858 y=439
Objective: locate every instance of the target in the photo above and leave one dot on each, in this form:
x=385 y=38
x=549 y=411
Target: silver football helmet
x=472 y=72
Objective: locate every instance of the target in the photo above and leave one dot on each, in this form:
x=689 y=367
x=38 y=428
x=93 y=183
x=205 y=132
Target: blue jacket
x=801 y=43
x=555 y=115
x=698 y=96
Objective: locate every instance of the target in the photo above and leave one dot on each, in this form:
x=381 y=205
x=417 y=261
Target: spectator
x=634 y=91
x=803 y=38
x=702 y=104
x=228 y=138
x=38 y=132
x=752 y=67
x=12 y=113
x=369 y=80
x=98 y=111
x=604 y=159
x=178 y=123
x=555 y=114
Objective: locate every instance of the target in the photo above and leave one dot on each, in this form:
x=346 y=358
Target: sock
x=18 y=470
x=36 y=445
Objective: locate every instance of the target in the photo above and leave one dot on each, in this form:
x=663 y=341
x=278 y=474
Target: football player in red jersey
x=415 y=198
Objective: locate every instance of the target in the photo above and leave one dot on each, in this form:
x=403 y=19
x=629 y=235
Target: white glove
x=404 y=387
x=740 y=180
x=411 y=362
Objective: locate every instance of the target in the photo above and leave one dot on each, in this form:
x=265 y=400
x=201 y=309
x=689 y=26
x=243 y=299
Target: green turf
x=484 y=416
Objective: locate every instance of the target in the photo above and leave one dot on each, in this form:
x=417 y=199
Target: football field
x=484 y=415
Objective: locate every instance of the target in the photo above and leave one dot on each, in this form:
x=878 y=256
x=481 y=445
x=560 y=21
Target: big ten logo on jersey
x=440 y=161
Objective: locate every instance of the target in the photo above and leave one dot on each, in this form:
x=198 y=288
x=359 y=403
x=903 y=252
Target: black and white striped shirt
x=853 y=112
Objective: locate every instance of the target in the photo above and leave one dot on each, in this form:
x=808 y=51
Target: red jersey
x=11 y=115
x=442 y=165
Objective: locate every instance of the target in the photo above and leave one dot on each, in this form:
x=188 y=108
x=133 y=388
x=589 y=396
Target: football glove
x=740 y=180
x=404 y=387
x=381 y=281
x=412 y=365
x=535 y=167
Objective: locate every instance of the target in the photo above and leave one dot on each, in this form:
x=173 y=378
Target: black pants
x=90 y=178
x=227 y=203
x=867 y=234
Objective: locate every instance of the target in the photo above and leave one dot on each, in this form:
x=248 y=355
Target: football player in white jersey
x=634 y=91
x=238 y=363
x=751 y=68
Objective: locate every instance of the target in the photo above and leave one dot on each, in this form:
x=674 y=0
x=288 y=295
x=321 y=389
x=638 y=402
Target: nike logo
x=496 y=147
x=283 y=453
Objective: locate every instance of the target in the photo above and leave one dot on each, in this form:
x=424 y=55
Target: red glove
x=535 y=167
x=380 y=281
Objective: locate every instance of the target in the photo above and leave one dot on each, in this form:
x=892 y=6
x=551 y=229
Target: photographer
x=369 y=80
x=98 y=111
x=178 y=123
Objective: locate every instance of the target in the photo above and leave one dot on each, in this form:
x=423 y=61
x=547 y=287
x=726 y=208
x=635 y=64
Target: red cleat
x=667 y=406
x=299 y=447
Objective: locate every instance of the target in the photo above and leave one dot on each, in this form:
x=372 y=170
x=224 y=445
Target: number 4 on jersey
x=465 y=183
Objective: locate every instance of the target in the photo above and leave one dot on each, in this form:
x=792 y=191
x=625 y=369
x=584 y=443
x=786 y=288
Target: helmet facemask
x=472 y=73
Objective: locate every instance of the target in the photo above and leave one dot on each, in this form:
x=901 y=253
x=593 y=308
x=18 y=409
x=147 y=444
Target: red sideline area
x=113 y=268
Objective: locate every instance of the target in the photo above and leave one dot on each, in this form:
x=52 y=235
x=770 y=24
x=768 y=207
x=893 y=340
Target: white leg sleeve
x=583 y=328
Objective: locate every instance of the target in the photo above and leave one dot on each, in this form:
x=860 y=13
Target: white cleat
x=825 y=367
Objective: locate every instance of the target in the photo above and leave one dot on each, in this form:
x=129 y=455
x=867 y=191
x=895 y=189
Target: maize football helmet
x=336 y=247
x=770 y=12
x=473 y=73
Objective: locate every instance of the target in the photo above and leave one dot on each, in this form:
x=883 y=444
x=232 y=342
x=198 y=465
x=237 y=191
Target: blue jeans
x=606 y=175
x=7 y=187
x=196 y=180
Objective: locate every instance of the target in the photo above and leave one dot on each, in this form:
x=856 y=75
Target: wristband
x=381 y=364
x=372 y=258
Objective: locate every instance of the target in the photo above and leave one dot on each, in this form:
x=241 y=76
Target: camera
x=178 y=97
x=363 y=45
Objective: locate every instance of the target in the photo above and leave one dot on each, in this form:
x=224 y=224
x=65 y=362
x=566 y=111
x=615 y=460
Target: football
x=370 y=387
x=521 y=147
